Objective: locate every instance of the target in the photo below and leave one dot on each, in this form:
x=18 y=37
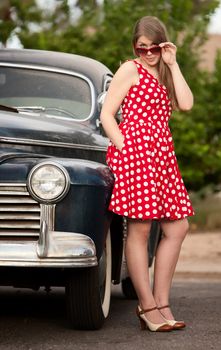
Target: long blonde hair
x=154 y=30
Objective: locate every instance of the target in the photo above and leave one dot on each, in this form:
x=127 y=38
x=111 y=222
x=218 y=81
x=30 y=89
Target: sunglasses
x=143 y=51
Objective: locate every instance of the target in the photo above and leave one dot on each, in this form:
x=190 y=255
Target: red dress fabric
x=148 y=184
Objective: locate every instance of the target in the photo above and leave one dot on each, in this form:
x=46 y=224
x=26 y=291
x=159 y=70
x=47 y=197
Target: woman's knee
x=139 y=230
x=184 y=228
x=177 y=229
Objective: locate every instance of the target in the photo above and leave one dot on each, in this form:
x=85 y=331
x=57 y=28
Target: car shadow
x=50 y=306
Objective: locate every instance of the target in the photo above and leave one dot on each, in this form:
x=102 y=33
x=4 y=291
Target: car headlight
x=48 y=182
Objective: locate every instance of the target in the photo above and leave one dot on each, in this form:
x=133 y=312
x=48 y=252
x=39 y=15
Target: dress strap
x=138 y=65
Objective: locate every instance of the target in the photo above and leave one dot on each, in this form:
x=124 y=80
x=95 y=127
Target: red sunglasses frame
x=143 y=51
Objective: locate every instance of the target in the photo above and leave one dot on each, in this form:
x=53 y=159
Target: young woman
x=148 y=184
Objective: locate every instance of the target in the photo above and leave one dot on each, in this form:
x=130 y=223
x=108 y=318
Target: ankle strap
x=141 y=311
x=163 y=307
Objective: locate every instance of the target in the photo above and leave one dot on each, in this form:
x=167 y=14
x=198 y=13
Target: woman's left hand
x=168 y=53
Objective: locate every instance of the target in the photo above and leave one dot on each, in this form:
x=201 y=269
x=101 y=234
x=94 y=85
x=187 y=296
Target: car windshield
x=56 y=94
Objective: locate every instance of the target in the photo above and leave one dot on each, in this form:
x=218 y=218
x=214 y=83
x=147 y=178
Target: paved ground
x=37 y=321
x=200 y=256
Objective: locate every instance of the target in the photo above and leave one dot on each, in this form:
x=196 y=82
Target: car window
x=55 y=93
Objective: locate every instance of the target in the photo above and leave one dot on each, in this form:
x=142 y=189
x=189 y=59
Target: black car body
x=55 y=227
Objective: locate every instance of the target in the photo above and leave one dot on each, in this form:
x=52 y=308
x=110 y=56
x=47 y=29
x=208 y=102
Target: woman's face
x=151 y=53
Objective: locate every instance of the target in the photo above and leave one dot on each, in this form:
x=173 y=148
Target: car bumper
x=53 y=249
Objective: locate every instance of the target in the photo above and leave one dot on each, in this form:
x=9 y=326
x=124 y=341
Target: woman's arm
x=183 y=93
x=124 y=78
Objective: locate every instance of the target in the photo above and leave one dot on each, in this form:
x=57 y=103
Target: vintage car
x=55 y=227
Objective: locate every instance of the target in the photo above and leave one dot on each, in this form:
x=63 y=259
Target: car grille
x=19 y=212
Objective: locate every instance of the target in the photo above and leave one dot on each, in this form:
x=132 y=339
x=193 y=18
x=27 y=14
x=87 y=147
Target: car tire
x=128 y=289
x=88 y=293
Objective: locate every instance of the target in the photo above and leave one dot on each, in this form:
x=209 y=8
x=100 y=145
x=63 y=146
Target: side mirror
x=100 y=99
x=100 y=102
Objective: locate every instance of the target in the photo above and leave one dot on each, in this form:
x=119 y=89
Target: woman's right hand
x=121 y=145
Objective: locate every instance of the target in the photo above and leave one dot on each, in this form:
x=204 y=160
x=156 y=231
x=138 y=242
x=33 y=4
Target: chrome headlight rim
x=61 y=195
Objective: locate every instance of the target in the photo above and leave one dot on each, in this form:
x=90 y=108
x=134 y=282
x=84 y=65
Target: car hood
x=48 y=129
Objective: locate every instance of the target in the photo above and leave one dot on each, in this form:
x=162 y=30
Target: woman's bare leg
x=166 y=259
x=136 y=252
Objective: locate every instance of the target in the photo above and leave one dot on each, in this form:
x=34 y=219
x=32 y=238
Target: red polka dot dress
x=148 y=184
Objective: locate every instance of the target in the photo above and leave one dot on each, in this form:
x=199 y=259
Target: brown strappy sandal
x=146 y=324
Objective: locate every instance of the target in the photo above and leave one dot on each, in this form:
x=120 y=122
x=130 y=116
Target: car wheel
x=88 y=293
x=128 y=289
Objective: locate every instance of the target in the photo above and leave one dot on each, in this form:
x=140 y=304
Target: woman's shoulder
x=128 y=66
x=127 y=69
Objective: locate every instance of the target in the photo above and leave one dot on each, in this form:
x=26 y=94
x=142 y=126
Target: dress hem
x=171 y=218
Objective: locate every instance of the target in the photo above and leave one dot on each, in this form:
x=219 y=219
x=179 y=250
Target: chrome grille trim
x=20 y=214
x=48 y=215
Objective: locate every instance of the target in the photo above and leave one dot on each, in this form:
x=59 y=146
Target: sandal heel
x=146 y=324
x=143 y=325
x=142 y=322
